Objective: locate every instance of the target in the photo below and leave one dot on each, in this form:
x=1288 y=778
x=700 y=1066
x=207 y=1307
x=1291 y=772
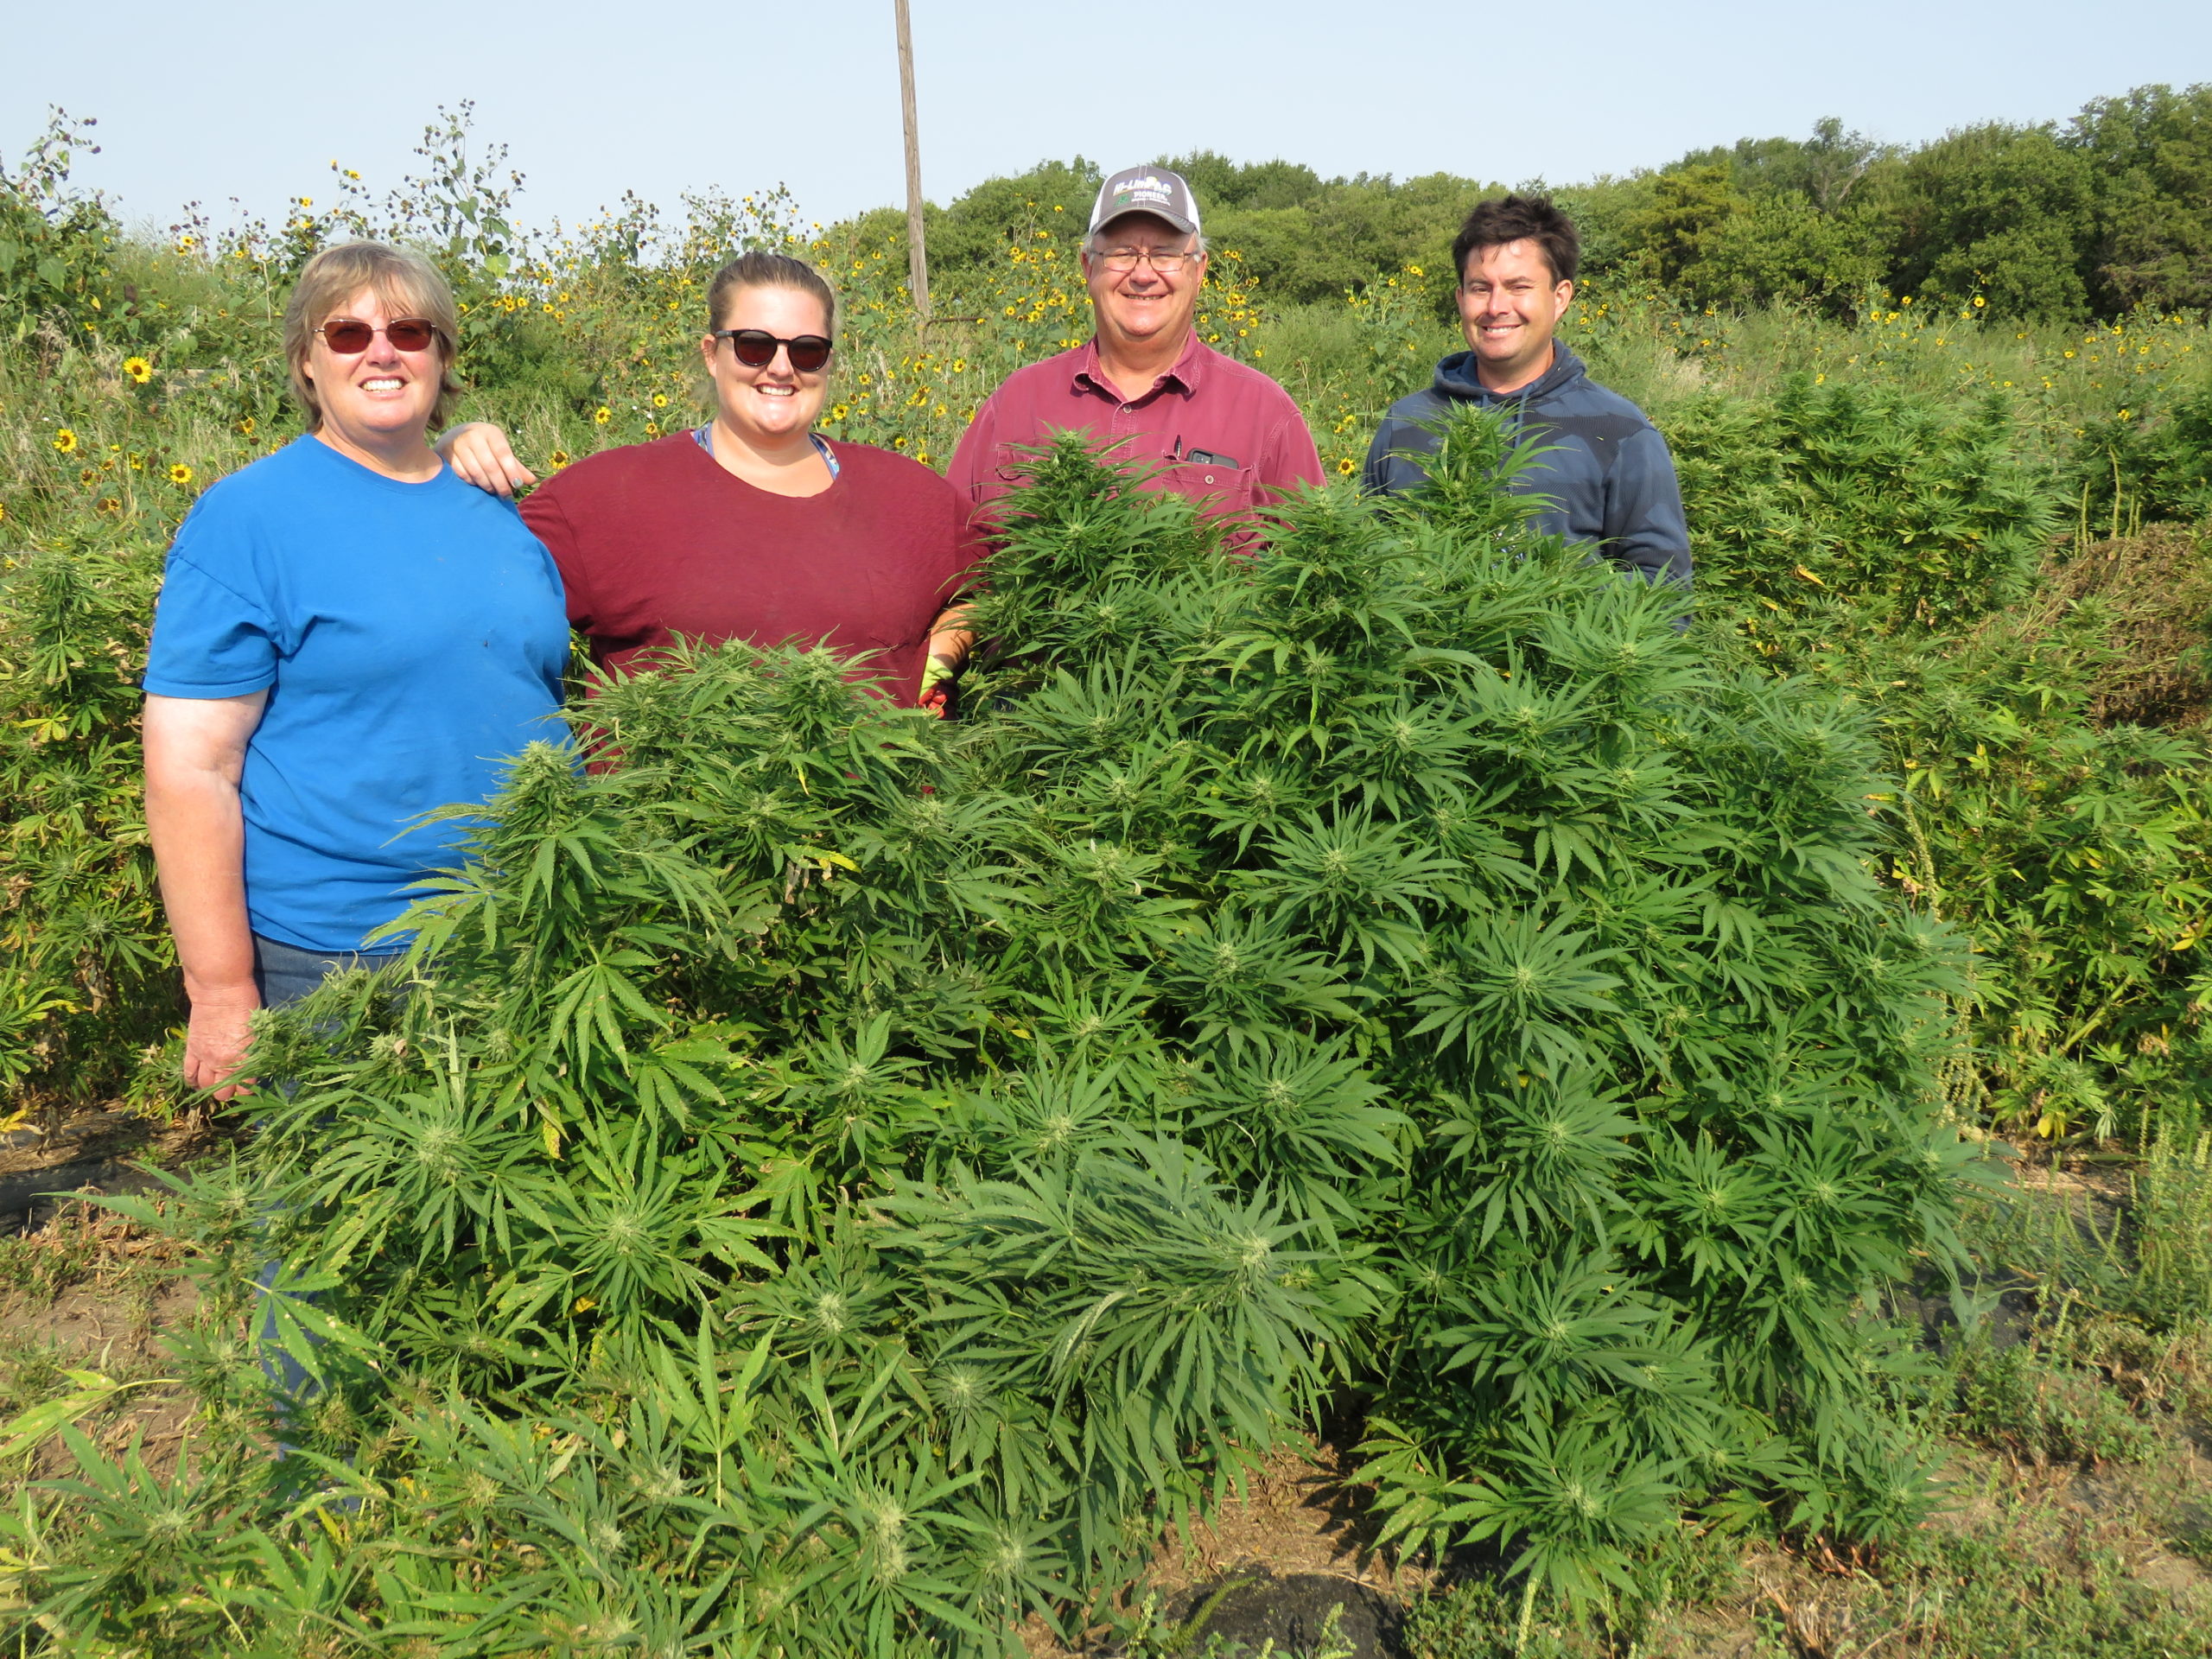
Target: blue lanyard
x=821 y=447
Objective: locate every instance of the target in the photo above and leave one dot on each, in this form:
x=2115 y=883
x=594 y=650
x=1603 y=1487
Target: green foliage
x=1824 y=169
x=2171 y=1235
x=1473 y=1620
x=2007 y=212
x=1782 y=249
x=1687 y=206
x=2101 y=215
x=840 y=1181
x=2154 y=464
x=2152 y=150
x=86 y=980
x=1301 y=237
x=56 y=243
x=2019 y=1402
x=1913 y=510
x=2074 y=853
x=861 y=1176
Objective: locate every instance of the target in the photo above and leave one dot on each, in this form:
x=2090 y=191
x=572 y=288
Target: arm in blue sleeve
x=215 y=633
x=1374 y=477
x=1645 y=530
x=1389 y=472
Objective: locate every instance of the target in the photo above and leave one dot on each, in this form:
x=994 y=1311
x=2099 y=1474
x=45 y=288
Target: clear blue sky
x=253 y=99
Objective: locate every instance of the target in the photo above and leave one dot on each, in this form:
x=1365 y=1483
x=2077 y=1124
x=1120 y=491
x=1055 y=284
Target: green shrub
x=2072 y=852
x=2146 y=463
x=1914 y=511
x=56 y=243
x=851 y=1179
x=86 y=971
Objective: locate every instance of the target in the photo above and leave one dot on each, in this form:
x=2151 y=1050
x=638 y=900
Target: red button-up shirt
x=1219 y=432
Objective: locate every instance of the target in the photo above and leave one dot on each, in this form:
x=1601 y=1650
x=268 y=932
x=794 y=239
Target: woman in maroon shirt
x=753 y=527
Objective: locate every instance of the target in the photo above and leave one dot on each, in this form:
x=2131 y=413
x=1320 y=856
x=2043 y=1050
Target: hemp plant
x=830 y=1180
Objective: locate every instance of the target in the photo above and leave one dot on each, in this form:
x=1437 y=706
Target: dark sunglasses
x=756 y=348
x=350 y=336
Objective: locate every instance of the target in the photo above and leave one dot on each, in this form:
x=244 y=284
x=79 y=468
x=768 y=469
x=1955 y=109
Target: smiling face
x=1510 y=303
x=381 y=398
x=769 y=406
x=1134 y=307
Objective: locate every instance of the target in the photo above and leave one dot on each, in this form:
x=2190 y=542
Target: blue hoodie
x=1607 y=478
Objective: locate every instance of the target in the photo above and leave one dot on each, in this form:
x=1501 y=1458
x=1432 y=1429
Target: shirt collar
x=1184 y=376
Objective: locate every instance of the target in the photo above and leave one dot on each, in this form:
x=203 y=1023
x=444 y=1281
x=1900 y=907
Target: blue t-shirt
x=411 y=637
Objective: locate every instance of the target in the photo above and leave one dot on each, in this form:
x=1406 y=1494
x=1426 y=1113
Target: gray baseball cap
x=1151 y=190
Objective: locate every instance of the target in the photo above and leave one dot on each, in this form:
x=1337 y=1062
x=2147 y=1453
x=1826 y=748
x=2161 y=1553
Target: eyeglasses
x=350 y=336
x=756 y=348
x=1166 y=263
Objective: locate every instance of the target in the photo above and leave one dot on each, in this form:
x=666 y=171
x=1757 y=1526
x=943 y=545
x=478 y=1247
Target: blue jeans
x=285 y=973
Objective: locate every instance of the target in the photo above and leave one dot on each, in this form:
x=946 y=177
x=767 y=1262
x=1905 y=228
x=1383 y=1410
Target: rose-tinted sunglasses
x=756 y=348
x=350 y=336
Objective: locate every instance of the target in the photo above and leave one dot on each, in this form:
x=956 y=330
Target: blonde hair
x=407 y=285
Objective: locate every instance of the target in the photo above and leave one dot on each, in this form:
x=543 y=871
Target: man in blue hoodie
x=1605 y=477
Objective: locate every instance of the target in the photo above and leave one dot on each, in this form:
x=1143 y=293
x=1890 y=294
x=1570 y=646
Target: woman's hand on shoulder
x=479 y=452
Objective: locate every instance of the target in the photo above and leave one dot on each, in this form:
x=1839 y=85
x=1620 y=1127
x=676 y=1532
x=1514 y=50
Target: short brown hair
x=1521 y=219
x=759 y=270
x=405 y=284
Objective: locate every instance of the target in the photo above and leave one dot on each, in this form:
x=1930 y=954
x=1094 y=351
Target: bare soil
x=85 y=1289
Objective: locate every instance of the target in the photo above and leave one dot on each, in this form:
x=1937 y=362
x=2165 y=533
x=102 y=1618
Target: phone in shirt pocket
x=1204 y=473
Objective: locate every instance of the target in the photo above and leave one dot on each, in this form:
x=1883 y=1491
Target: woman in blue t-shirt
x=348 y=635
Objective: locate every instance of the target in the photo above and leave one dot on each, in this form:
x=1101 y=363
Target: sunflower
x=180 y=473
x=602 y=415
x=559 y=458
x=245 y=427
x=139 y=369
x=66 y=440
x=660 y=400
x=87 y=475
x=1347 y=466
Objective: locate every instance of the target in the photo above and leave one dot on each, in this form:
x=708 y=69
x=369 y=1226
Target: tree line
x=2091 y=217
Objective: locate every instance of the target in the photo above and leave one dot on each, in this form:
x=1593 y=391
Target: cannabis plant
x=87 y=974
x=829 y=1180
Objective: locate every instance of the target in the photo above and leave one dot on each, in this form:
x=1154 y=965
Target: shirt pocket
x=1221 y=488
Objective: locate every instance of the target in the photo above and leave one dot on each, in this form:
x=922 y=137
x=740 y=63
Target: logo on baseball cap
x=1151 y=190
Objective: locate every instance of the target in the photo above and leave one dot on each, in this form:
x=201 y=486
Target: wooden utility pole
x=917 y=254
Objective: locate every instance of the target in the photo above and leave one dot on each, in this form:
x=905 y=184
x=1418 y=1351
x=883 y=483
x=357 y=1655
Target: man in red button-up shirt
x=1220 y=431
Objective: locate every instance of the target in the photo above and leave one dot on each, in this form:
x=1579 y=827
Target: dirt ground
x=85 y=1289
